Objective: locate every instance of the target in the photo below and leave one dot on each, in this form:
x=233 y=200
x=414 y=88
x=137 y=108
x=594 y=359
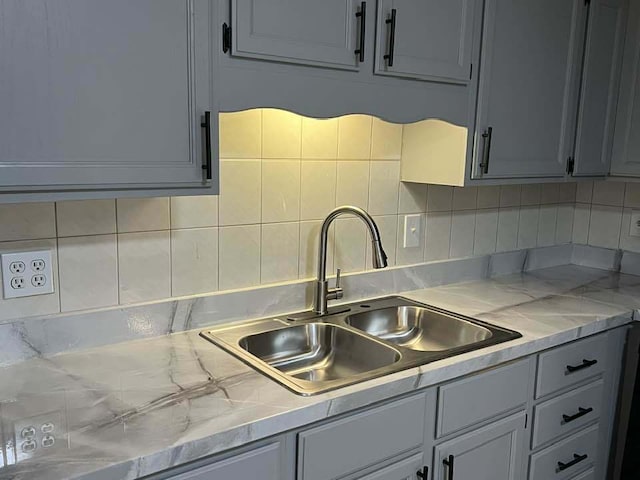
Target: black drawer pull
x=362 y=15
x=206 y=125
x=392 y=38
x=448 y=462
x=585 y=364
x=424 y=473
x=581 y=413
x=576 y=459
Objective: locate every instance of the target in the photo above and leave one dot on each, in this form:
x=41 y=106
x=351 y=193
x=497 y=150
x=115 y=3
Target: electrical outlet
x=27 y=273
x=38 y=435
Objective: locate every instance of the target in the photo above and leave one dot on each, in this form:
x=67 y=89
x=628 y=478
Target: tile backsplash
x=280 y=175
x=603 y=214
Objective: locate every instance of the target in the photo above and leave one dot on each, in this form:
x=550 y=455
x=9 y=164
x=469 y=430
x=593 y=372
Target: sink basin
x=419 y=328
x=353 y=343
x=318 y=352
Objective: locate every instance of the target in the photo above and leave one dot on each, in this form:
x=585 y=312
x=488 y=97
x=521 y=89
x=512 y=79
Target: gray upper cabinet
x=600 y=81
x=101 y=95
x=626 y=149
x=310 y=32
x=528 y=89
x=494 y=452
x=428 y=39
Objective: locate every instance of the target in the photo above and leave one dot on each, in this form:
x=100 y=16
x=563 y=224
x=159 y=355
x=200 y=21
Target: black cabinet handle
x=576 y=459
x=424 y=473
x=362 y=15
x=392 y=37
x=448 y=462
x=486 y=150
x=581 y=413
x=585 y=364
x=206 y=125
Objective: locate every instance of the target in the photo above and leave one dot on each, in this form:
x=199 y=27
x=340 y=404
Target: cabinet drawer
x=588 y=475
x=404 y=469
x=567 y=412
x=563 y=459
x=481 y=397
x=570 y=364
x=350 y=444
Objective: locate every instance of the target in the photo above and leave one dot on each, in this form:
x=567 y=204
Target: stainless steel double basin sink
x=359 y=342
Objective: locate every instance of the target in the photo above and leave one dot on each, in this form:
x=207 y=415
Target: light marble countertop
x=139 y=407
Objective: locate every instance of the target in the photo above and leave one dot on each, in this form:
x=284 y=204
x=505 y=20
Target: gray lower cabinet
x=529 y=86
x=494 y=452
x=298 y=31
x=104 y=95
x=403 y=470
x=599 y=90
x=429 y=39
x=263 y=463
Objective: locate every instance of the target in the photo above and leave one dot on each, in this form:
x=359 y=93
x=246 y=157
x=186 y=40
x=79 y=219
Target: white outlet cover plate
x=411 y=231
x=29 y=288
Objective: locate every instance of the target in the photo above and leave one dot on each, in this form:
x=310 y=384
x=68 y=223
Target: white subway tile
x=438 y=236
x=280 y=248
x=486 y=231
x=27 y=221
x=144 y=266
x=281 y=134
x=86 y=217
x=194 y=212
x=581 y=219
x=386 y=140
x=547 y=225
x=383 y=188
x=465 y=198
x=550 y=193
x=88 y=272
x=354 y=137
x=353 y=184
x=508 y=219
x=143 y=214
x=564 y=225
x=567 y=193
x=319 y=138
x=632 y=195
x=530 y=194
x=608 y=193
x=350 y=244
x=510 y=195
x=604 y=226
x=413 y=198
x=280 y=191
x=239 y=257
x=489 y=197
x=528 y=226
x=309 y=237
x=584 y=192
x=241 y=134
x=318 y=189
x=462 y=234
x=240 y=192
x=194 y=261
x=439 y=198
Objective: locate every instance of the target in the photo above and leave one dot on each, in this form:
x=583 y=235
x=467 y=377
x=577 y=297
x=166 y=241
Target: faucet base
x=310 y=314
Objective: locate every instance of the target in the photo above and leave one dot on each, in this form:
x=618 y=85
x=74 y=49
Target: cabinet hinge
x=226 y=38
x=570 y=165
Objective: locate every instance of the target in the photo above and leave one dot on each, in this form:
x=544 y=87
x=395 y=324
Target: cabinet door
x=96 y=93
x=432 y=39
x=600 y=81
x=495 y=452
x=626 y=149
x=403 y=470
x=262 y=463
x=529 y=77
x=310 y=32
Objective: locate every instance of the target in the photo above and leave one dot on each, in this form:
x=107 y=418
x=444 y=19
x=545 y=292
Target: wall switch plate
x=634 y=230
x=27 y=273
x=411 y=231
